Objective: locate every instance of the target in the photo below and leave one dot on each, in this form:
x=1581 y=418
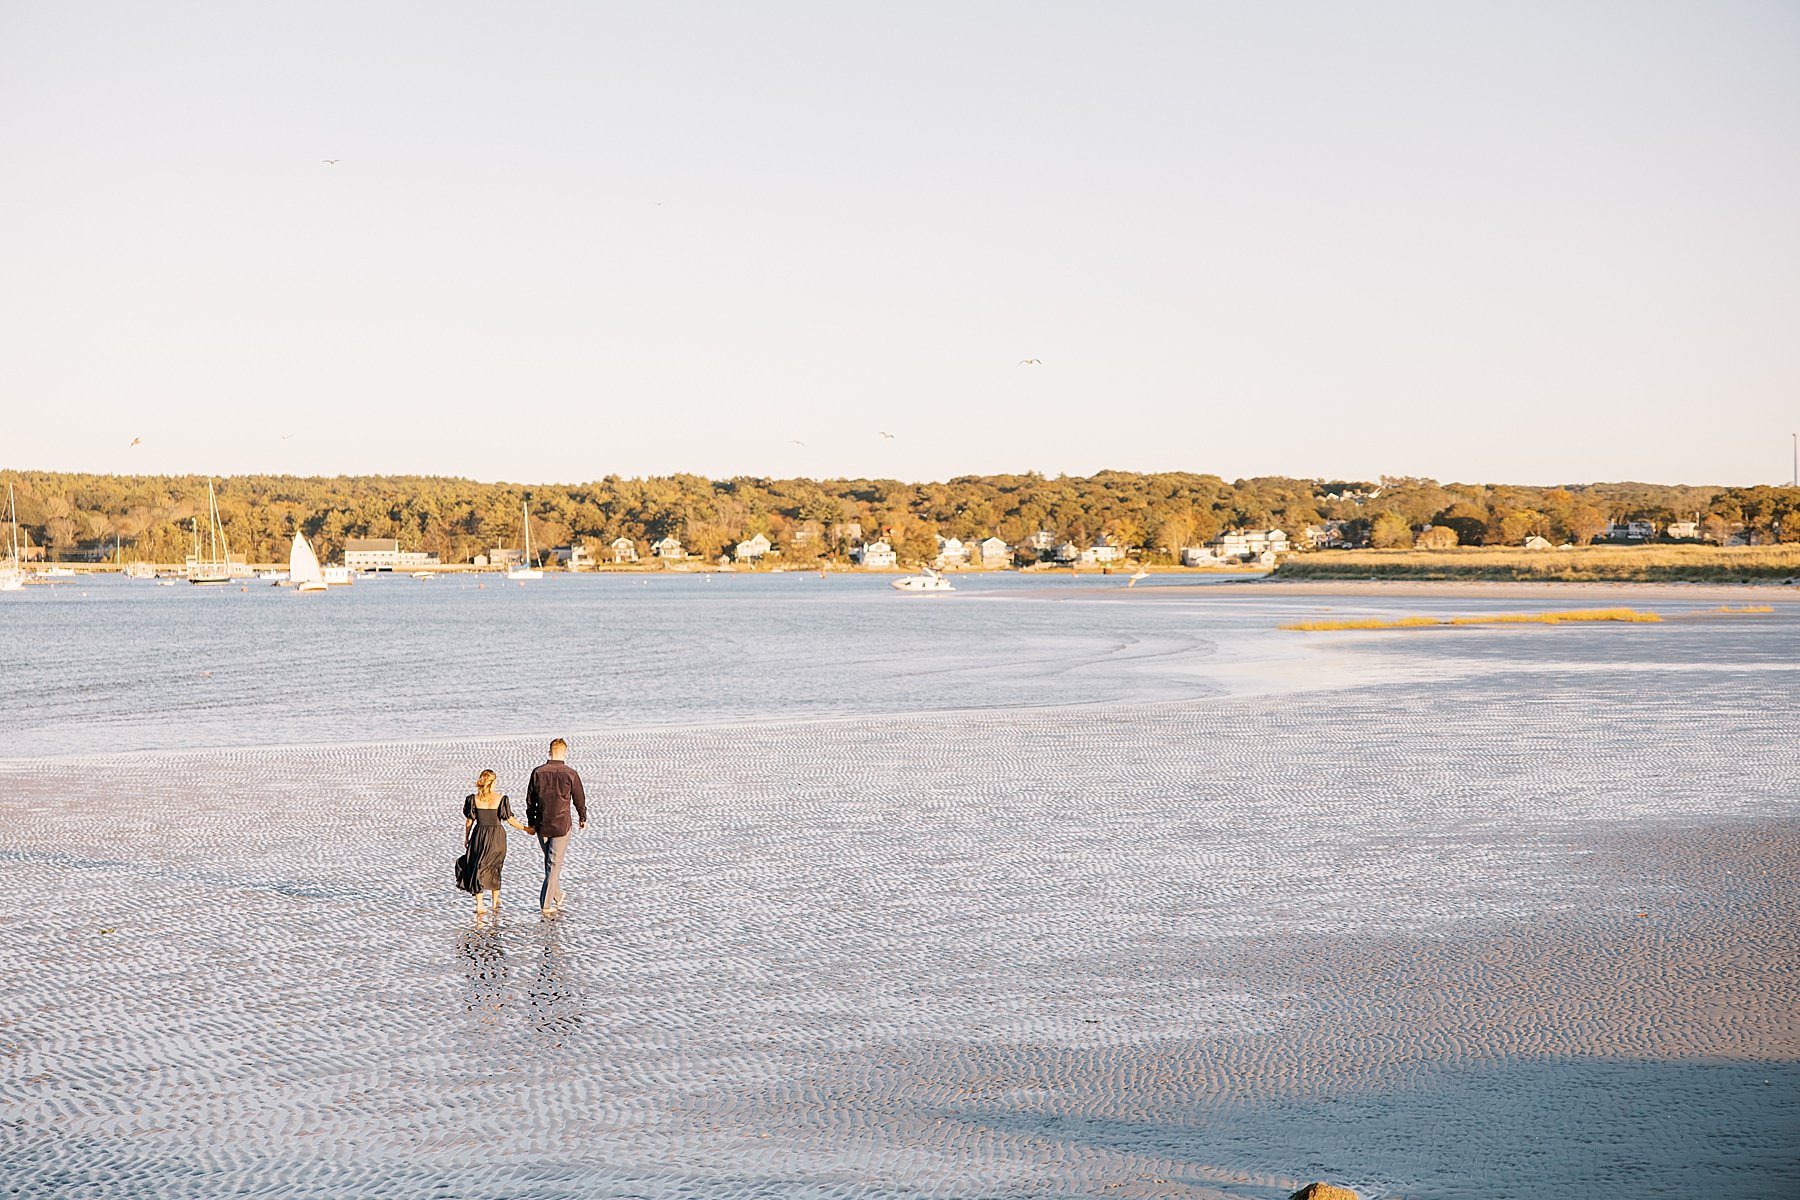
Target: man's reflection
x=555 y=1006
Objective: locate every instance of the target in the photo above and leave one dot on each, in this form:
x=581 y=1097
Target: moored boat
x=527 y=571
x=303 y=566
x=927 y=580
x=216 y=566
x=12 y=576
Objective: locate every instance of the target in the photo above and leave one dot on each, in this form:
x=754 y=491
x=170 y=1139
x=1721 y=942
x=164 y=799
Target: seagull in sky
x=1025 y=362
x=286 y=436
x=884 y=433
x=134 y=441
x=331 y=161
x=797 y=441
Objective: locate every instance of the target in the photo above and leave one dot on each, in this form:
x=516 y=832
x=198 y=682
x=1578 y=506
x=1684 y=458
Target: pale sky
x=1519 y=242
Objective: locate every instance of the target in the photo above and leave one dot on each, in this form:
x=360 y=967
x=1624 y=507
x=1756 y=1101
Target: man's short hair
x=557 y=745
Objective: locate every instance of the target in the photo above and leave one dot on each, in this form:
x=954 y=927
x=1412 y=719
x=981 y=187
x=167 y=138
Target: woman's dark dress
x=487 y=844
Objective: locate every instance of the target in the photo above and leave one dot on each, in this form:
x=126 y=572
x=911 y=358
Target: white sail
x=527 y=571
x=303 y=564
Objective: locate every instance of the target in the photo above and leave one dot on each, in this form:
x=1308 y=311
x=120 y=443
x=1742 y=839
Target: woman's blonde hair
x=485 y=781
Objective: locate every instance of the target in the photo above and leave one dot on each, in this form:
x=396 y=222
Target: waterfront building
x=384 y=554
x=1104 y=550
x=574 y=556
x=1238 y=543
x=874 y=556
x=989 y=552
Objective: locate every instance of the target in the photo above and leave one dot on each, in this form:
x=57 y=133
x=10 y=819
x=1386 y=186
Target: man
x=553 y=786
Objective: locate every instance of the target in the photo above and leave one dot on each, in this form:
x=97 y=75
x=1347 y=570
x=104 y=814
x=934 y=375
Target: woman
x=485 y=816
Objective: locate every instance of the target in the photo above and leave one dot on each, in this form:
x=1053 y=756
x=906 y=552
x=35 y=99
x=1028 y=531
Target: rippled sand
x=1526 y=935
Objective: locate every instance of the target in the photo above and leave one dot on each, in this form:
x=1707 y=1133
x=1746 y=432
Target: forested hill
x=149 y=516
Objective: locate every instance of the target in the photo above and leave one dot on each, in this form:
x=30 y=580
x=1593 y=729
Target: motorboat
x=526 y=570
x=303 y=566
x=927 y=580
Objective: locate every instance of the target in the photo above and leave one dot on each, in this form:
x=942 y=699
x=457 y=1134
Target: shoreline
x=1780 y=593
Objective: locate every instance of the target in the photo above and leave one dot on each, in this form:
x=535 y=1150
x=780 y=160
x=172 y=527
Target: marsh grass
x=1550 y=618
x=1584 y=564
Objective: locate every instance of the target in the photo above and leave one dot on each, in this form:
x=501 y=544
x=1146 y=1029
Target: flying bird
x=134 y=441
x=286 y=436
x=797 y=441
x=332 y=161
x=884 y=433
x=1028 y=361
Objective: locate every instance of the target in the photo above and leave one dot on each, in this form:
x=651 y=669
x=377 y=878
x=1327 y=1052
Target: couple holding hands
x=553 y=789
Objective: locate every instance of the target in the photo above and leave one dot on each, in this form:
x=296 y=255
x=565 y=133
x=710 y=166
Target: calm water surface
x=114 y=664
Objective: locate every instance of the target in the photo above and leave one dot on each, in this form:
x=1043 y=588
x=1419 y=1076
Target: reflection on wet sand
x=483 y=956
x=552 y=998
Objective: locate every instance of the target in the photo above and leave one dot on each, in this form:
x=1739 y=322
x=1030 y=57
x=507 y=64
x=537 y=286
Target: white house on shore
x=1253 y=543
x=574 y=556
x=1631 y=531
x=874 y=556
x=1683 y=529
x=667 y=548
x=624 y=550
x=1104 y=550
x=989 y=552
x=951 y=553
x=500 y=556
x=384 y=554
x=752 y=549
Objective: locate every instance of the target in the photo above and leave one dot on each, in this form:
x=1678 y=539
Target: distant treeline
x=150 y=517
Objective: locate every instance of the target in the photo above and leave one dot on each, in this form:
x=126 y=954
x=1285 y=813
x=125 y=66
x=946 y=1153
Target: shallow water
x=1033 y=892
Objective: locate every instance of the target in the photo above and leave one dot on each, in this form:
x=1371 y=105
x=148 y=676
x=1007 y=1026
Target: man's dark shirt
x=553 y=786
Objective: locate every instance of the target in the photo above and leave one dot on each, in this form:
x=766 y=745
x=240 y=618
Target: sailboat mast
x=224 y=542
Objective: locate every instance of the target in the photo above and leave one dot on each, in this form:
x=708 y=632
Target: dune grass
x=1584 y=564
x=1549 y=618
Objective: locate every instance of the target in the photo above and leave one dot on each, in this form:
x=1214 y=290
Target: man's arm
x=534 y=804
x=578 y=796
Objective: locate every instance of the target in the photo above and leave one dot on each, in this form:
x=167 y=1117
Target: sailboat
x=12 y=576
x=216 y=567
x=303 y=566
x=527 y=571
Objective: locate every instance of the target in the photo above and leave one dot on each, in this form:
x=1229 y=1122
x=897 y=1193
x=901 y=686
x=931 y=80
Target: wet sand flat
x=1503 y=933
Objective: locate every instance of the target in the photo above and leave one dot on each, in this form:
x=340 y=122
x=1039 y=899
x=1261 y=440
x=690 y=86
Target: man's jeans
x=554 y=849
